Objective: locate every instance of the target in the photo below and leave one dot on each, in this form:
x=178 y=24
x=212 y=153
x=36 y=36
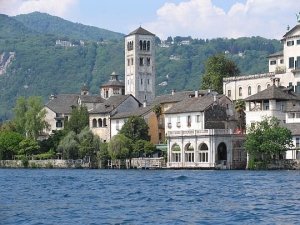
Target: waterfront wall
x=50 y=163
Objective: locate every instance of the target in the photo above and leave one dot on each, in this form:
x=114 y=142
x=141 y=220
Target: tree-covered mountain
x=47 y=24
x=32 y=63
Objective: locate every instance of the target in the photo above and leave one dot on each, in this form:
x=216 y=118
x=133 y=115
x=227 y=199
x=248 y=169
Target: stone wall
x=51 y=163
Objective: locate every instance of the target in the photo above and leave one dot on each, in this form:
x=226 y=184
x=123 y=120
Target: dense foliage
x=79 y=119
x=119 y=147
x=218 y=67
x=40 y=67
x=135 y=129
x=268 y=138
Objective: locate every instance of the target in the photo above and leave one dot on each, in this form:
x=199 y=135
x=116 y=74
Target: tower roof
x=142 y=31
x=114 y=81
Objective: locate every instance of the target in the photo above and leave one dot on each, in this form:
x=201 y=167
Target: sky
x=196 y=18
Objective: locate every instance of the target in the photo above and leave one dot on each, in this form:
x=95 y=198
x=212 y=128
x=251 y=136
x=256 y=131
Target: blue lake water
x=40 y=196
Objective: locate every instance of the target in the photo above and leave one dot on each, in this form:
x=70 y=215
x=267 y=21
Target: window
x=148 y=81
x=99 y=122
x=189 y=157
x=189 y=121
x=141 y=61
x=141 y=81
x=131 y=61
x=298 y=87
x=117 y=125
x=176 y=157
x=58 y=123
x=298 y=62
x=258 y=88
x=148 y=45
x=198 y=118
x=281 y=61
x=141 y=45
x=229 y=93
x=116 y=91
x=178 y=121
x=203 y=153
x=297 y=142
x=298 y=42
x=267 y=107
x=290 y=43
x=291 y=62
x=273 y=62
x=128 y=62
x=94 y=123
x=249 y=90
x=104 y=122
x=268 y=85
x=144 y=45
x=148 y=61
x=240 y=91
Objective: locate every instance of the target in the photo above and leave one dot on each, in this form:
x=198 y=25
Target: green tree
x=79 y=119
x=135 y=129
x=139 y=148
x=68 y=146
x=150 y=148
x=9 y=144
x=119 y=147
x=268 y=138
x=102 y=154
x=28 y=147
x=30 y=116
x=218 y=67
x=240 y=107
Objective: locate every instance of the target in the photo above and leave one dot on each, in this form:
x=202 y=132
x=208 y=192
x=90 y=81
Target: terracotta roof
x=62 y=103
x=140 y=30
x=274 y=93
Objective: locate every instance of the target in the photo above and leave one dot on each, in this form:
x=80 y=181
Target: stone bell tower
x=140 y=64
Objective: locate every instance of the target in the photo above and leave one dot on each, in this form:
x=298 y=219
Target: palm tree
x=240 y=107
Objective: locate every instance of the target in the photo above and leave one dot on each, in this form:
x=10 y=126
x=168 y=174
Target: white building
x=284 y=65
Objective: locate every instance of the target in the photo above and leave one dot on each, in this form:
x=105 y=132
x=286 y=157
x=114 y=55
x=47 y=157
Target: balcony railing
x=200 y=132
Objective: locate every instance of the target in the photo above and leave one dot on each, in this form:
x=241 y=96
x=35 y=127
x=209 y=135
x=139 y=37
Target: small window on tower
x=148 y=61
x=141 y=61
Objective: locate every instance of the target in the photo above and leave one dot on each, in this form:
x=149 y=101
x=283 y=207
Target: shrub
x=49 y=165
x=24 y=161
x=33 y=165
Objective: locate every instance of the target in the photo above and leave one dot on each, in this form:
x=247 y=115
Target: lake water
x=40 y=196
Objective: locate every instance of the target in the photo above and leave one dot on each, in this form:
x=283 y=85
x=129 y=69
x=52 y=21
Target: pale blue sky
x=196 y=18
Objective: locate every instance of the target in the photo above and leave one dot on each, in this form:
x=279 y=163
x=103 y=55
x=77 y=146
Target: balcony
x=295 y=70
x=169 y=125
x=200 y=132
x=178 y=124
x=280 y=70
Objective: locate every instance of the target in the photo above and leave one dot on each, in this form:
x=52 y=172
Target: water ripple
x=149 y=197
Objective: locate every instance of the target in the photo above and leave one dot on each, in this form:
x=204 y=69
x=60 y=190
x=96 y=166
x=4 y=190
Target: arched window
x=258 y=88
x=94 y=123
x=104 y=122
x=268 y=85
x=148 y=45
x=240 y=91
x=131 y=61
x=128 y=46
x=141 y=45
x=203 y=153
x=99 y=122
x=249 y=90
x=144 y=45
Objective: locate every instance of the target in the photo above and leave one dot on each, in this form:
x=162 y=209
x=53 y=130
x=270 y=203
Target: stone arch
x=100 y=122
x=94 y=123
x=203 y=152
x=222 y=151
x=175 y=153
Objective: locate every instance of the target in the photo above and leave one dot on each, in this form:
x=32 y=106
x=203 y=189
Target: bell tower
x=140 y=64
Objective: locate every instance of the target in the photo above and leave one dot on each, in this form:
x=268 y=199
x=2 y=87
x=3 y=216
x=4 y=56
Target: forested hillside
x=32 y=64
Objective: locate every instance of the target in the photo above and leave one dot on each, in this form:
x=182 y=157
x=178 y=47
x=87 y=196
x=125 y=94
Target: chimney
x=173 y=91
x=144 y=103
x=196 y=94
x=52 y=96
x=215 y=98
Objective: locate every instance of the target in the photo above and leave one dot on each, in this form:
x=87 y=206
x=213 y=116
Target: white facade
x=284 y=65
x=140 y=64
